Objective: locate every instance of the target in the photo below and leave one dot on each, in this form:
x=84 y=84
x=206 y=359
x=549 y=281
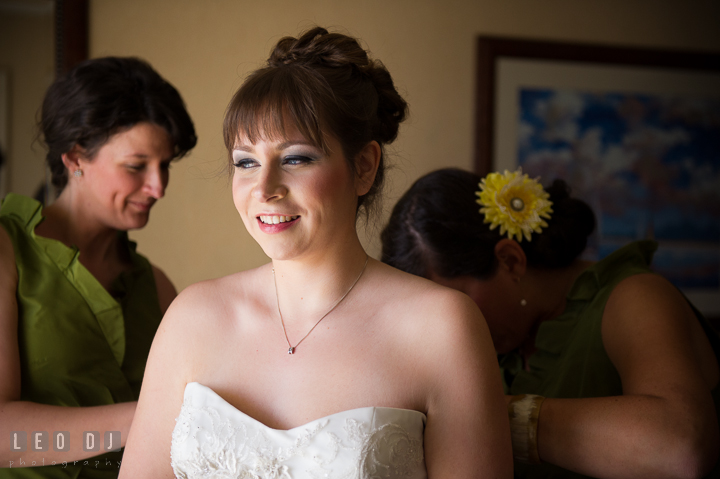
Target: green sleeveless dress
x=80 y=345
x=570 y=361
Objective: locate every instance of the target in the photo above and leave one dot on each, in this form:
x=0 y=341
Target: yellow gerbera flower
x=514 y=202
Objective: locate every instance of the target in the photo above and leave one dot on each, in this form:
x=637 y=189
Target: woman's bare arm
x=28 y=417
x=664 y=425
x=467 y=433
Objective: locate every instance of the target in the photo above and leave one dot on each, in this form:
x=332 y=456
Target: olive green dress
x=571 y=361
x=80 y=345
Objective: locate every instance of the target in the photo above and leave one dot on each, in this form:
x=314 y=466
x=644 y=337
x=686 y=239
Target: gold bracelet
x=524 y=410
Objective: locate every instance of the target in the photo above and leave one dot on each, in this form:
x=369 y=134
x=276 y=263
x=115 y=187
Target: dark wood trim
x=71 y=34
x=490 y=49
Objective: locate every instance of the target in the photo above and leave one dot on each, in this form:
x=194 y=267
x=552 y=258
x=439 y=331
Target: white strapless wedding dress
x=213 y=439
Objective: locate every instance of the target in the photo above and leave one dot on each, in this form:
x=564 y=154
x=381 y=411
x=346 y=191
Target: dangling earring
x=77 y=173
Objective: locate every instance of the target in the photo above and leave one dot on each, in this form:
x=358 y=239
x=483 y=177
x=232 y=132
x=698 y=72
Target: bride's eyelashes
x=244 y=163
x=297 y=160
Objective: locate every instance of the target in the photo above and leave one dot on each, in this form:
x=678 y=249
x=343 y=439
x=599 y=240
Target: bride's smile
x=275 y=219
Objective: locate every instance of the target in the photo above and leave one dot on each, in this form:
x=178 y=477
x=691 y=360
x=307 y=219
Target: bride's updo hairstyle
x=324 y=83
x=436 y=227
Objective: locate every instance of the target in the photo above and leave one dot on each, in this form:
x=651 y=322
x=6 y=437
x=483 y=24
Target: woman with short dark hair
x=78 y=305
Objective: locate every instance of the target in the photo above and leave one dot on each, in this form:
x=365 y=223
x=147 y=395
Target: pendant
x=291 y=350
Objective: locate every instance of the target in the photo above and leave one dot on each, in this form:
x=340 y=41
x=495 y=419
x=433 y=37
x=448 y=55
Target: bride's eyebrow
x=290 y=143
x=287 y=144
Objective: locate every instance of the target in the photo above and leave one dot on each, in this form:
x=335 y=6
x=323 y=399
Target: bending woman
x=78 y=306
x=324 y=362
x=628 y=367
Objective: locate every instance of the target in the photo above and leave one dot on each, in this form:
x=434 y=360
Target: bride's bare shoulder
x=220 y=297
x=206 y=317
x=421 y=298
x=444 y=326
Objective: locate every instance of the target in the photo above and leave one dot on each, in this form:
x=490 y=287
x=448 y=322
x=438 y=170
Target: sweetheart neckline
x=347 y=411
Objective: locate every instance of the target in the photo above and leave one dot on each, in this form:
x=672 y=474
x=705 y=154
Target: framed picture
x=634 y=132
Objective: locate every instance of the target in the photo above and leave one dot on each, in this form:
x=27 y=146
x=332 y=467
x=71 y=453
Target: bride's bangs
x=266 y=101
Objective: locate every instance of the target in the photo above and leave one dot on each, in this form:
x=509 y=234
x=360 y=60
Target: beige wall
x=26 y=55
x=205 y=48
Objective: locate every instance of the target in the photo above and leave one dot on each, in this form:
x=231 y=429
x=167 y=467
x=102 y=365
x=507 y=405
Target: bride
x=324 y=362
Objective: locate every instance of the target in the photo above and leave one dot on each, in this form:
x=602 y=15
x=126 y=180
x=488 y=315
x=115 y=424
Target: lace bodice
x=213 y=439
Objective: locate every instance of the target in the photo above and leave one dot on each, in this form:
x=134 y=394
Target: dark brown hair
x=437 y=227
x=103 y=96
x=324 y=83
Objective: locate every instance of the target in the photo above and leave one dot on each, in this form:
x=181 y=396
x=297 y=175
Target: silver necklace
x=291 y=348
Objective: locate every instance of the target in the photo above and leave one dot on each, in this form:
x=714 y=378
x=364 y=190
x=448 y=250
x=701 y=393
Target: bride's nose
x=269 y=185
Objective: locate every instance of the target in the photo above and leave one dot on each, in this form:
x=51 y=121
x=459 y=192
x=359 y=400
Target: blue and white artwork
x=648 y=165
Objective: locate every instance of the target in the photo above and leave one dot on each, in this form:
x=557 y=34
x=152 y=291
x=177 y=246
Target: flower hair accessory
x=514 y=202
